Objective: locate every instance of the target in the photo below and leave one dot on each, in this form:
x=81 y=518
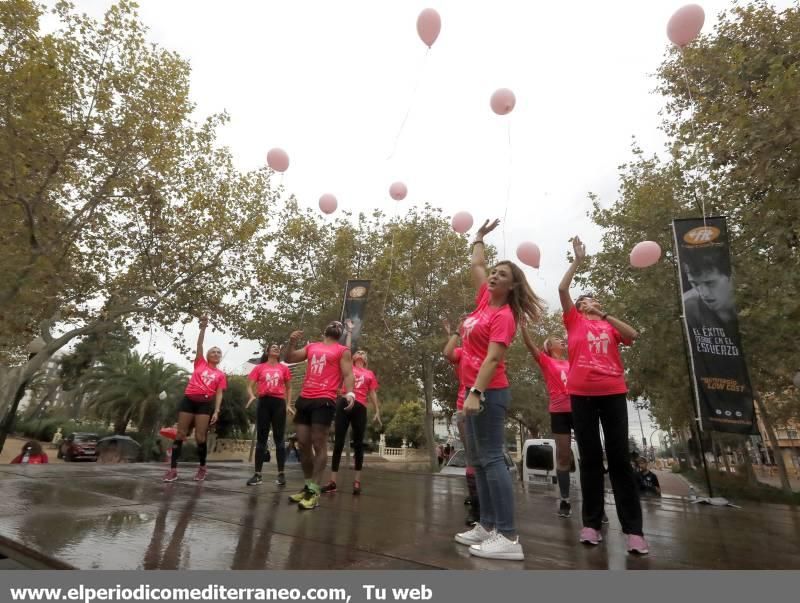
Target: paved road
x=672 y=484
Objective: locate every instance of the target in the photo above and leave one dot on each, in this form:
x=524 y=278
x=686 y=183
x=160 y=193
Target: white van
x=539 y=463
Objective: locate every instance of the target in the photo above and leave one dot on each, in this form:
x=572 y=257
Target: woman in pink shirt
x=328 y=365
x=454 y=354
x=503 y=299
x=200 y=405
x=366 y=391
x=273 y=382
x=555 y=368
x=597 y=389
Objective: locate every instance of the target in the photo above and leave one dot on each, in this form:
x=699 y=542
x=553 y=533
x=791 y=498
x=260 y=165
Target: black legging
x=357 y=417
x=588 y=413
x=271 y=412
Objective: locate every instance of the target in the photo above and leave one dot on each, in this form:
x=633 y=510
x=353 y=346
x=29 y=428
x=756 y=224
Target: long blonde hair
x=526 y=306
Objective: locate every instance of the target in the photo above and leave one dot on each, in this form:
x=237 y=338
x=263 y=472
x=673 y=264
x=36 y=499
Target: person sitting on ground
x=32 y=454
x=648 y=482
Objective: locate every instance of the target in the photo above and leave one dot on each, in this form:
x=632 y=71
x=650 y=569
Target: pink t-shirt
x=555 y=373
x=484 y=326
x=204 y=382
x=365 y=382
x=595 y=366
x=323 y=374
x=271 y=379
x=458 y=354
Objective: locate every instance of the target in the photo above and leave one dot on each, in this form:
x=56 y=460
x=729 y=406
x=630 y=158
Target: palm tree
x=126 y=387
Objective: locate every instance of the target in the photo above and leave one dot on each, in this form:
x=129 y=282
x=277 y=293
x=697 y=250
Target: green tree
x=73 y=367
x=128 y=387
x=734 y=141
x=234 y=420
x=117 y=206
x=408 y=423
x=418 y=267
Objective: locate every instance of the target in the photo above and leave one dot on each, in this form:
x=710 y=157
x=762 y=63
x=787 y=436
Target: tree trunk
x=773 y=440
x=427 y=381
x=7 y=426
x=121 y=422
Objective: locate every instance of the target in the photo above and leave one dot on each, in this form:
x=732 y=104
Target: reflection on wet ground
x=124 y=517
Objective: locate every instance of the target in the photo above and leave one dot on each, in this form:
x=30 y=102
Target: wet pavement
x=123 y=517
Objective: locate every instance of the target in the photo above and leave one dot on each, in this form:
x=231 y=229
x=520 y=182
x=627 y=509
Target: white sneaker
x=475 y=536
x=498 y=547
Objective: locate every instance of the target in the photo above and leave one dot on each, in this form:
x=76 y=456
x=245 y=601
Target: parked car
x=78 y=446
x=458 y=465
x=118 y=449
x=539 y=466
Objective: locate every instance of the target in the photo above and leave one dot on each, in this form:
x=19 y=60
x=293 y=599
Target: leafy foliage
x=127 y=387
x=734 y=148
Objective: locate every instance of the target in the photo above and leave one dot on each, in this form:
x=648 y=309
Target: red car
x=79 y=447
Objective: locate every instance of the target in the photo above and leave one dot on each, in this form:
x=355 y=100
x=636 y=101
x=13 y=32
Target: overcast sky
x=330 y=82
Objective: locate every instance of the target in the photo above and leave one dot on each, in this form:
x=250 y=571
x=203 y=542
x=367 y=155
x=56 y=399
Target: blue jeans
x=486 y=451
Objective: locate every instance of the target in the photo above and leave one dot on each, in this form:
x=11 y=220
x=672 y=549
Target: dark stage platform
x=91 y=516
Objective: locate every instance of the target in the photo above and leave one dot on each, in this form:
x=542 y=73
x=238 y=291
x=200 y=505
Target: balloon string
x=391 y=263
x=696 y=175
x=508 y=186
x=420 y=70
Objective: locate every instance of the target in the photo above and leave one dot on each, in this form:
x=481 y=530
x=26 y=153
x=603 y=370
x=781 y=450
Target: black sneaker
x=281 y=479
x=329 y=487
x=473 y=515
x=255 y=480
x=564 y=508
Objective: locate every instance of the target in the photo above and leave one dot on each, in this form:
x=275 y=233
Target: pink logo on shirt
x=318 y=364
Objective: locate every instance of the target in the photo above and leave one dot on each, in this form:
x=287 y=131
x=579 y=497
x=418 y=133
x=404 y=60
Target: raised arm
x=346 y=367
x=452 y=341
x=529 y=343
x=293 y=355
x=627 y=331
x=478 y=262
x=348 y=341
x=579 y=250
x=203 y=324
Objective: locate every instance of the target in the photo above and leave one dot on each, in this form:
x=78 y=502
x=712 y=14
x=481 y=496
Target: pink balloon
x=429 y=24
x=503 y=101
x=328 y=203
x=645 y=254
x=685 y=24
x=462 y=222
x=278 y=160
x=528 y=253
x=398 y=191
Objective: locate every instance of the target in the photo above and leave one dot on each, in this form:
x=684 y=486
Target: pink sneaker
x=590 y=536
x=171 y=475
x=637 y=544
x=201 y=474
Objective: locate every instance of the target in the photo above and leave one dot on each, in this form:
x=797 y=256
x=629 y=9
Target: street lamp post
x=651 y=440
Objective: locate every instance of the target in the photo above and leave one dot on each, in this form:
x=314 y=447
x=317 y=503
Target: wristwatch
x=475 y=390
